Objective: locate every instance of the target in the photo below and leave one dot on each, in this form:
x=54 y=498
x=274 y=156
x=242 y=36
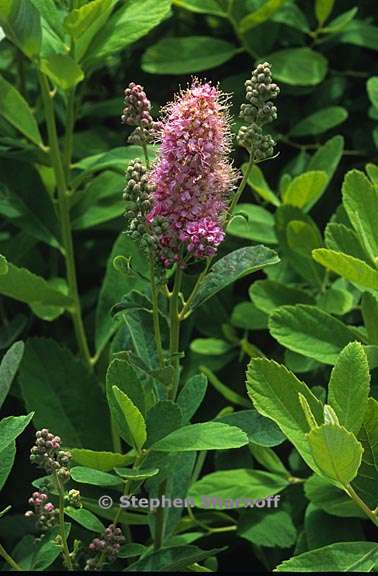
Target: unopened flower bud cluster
x=47 y=454
x=137 y=113
x=258 y=111
x=106 y=547
x=43 y=512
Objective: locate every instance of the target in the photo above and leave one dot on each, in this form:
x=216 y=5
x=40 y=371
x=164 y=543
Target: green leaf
x=274 y=392
x=227 y=392
x=366 y=482
x=16 y=111
x=241 y=485
x=253 y=223
x=134 y=419
x=327 y=158
x=116 y=159
x=336 y=301
x=3 y=265
x=323 y=9
x=291 y=15
x=8 y=368
x=104 y=461
x=62 y=70
x=303 y=237
x=163 y=418
x=37 y=554
x=174 y=559
x=121 y=373
x=336 y=452
x=257 y=182
x=114 y=286
x=348 y=267
x=370 y=316
x=136 y=473
x=310 y=331
x=372 y=90
x=320 y=121
x=340 y=238
x=232 y=267
x=340 y=22
x=331 y=499
x=21 y=23
x=210 y=346
x=273 y=528
x=360 y=200
x=7 y=456
x=323 y=529
x=28 y=207
x=260 y=15
x=204 y=436
x=101 y=201
x=85 y=475
x=49 y=378
x=297 y=256
x=85 y=518
x=349 y=387
x=360 y=33
x=191 y=395
x=197 y=53
x=261 y=431
x=304 y=190
x=126 y=25
x=267 y=295
x=246 y=315
x=339 y=557
x=202 y=6
x=11 y=427
x=23 y=285
x=298 y=66
x=85 y=22
x=268 y=459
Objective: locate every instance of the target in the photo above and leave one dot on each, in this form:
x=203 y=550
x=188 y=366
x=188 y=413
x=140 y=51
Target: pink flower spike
x=193 y=176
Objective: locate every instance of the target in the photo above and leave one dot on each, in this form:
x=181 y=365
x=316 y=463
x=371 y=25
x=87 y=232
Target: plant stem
x=62 y=528
x=241 y=186
x=9 y=560
x=68 y=139
x=155 y=314
x=361 y=504
x=63 y=201
x=174 y=337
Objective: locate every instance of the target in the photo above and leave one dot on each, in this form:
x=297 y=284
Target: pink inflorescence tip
x=193 y=176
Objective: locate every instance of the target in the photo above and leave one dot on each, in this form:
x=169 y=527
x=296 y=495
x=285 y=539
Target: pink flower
x=193 y=176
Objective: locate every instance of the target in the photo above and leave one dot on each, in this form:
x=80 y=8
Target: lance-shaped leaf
x=23 y=285
x=204 y=436
x=230 y=268
x=348 y=267
x=21 y=23
x=134 y=420
x=16 y=111
x=310 y=331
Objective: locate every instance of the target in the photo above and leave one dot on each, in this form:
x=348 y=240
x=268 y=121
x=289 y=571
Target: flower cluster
x=47 y=454
x=258 y=111
x=193 y=177
x=105 y=548
x=44 y=512
x=137 y=195
x=137 y=113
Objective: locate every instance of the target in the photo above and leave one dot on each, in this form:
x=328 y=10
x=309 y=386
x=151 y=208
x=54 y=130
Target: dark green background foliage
x=312 y=317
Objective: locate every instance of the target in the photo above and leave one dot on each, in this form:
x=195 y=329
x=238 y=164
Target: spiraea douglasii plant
x=189 y=286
